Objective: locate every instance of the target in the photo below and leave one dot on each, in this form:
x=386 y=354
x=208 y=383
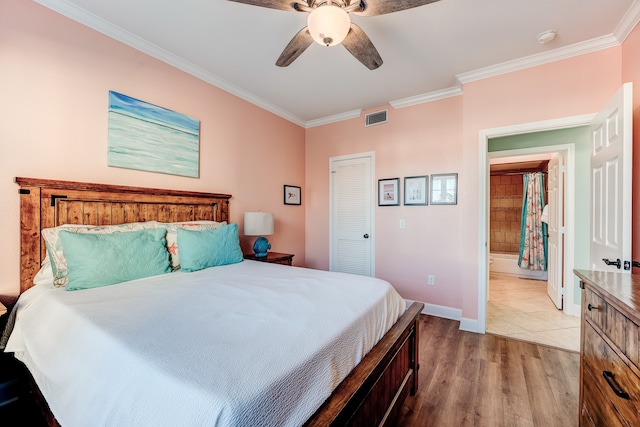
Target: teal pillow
x=209 y=248
x=105 y=259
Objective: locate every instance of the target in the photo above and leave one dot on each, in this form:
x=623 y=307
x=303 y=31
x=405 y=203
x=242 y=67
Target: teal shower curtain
x=533 y=232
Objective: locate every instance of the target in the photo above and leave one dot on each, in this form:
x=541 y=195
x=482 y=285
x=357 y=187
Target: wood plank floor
x=469 y=379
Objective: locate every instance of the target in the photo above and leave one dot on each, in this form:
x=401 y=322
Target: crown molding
x=353 y=114
x=94 y=22
x=628 y=22
x=622 y=31
x=426 y=97
x=574 y=50
x=400 y=103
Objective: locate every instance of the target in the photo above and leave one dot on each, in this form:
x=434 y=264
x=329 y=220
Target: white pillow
x=44 y=276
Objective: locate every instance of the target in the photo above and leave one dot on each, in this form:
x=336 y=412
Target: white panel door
x=351 y=246
x=554 y=230
x=611 y=161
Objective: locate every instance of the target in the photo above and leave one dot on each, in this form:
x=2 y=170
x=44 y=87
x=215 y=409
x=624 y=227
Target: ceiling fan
x=329 y=24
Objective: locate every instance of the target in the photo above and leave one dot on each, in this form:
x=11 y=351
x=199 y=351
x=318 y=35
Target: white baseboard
x=470 y=325
x=442 y=311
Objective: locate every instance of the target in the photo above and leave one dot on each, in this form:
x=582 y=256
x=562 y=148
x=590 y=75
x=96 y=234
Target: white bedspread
x=247 y=344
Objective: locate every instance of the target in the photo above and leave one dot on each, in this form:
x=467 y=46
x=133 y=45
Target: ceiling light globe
x=328 y=25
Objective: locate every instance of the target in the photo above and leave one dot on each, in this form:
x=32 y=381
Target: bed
x=371 y=393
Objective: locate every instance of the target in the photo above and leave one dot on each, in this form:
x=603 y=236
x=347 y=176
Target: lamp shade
x=328 y=25
x=258 y=223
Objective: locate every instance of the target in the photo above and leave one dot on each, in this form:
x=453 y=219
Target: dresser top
x=623 y=288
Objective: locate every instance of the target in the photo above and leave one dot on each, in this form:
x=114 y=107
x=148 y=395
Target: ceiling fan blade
x=298 y=44
x=359 y=45
x=381 y=7
x=271 y=4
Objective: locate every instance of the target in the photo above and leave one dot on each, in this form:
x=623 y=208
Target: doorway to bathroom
x=571 y=137
x=526 y=303
x=612 y=123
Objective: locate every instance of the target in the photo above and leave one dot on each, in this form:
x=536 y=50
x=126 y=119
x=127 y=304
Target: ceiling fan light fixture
x=328 y=25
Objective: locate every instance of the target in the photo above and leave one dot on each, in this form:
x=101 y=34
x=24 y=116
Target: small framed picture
x=444 y=189
x=416 y=190
x=388 y=192
x=292 y=195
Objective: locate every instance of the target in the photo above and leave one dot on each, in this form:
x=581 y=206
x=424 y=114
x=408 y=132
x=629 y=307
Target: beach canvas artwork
x=146 y=137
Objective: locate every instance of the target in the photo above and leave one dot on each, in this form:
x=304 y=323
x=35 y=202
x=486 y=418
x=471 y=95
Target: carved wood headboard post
x=30 y=250
x=48 y=203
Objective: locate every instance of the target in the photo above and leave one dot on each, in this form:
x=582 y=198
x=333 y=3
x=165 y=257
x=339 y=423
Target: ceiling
x=429 y=52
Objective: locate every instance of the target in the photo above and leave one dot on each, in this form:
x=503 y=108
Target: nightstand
x=273 y=257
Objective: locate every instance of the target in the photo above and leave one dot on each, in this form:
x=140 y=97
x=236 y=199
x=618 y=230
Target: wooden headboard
x=48 y=203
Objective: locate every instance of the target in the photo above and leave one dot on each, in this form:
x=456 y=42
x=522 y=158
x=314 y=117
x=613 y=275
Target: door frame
x=483 y=201
x=372 y=233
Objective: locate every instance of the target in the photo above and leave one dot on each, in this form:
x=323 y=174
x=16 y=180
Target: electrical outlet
x=431 y=280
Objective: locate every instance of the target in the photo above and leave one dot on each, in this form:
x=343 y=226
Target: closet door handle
x=366 y=236
x=608 y=375
x=617 y=262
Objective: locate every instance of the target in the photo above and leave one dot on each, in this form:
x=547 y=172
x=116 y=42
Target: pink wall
x=54 y=83
x=440 y=137
x=631 y=73
x=403 y=256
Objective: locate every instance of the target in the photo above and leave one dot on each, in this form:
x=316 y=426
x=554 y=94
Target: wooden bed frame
x=372 y=394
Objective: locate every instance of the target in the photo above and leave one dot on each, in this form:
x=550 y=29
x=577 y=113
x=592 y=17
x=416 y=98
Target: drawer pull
x=608 y=375
x=593 y=307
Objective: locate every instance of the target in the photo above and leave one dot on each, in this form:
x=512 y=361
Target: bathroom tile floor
x=521 y=309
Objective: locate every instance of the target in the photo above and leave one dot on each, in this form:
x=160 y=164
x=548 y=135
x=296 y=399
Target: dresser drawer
x=609 y=373
x=623 y=333
x=594 y=308
x=596 y=411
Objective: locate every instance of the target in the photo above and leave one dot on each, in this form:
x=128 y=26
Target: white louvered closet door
x=351 y=247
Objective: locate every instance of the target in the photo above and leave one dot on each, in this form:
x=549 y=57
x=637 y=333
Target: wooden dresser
x=609 y=349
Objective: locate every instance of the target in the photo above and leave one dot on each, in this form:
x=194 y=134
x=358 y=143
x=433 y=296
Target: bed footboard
x=373 y=393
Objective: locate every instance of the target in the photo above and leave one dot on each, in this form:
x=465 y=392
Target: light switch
x=403 y=224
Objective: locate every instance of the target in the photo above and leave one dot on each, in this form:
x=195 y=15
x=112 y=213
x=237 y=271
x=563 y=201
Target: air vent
x=376 y=118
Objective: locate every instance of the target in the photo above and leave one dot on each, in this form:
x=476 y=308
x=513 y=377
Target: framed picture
x=146 y=137
x=416 y=190
x=388 y=192
x=292 y=195
x=444 y=189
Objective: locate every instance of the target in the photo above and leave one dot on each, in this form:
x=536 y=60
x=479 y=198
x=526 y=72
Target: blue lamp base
x=261 y=246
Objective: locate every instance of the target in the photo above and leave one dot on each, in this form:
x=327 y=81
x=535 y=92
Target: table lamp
x=259 y=224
